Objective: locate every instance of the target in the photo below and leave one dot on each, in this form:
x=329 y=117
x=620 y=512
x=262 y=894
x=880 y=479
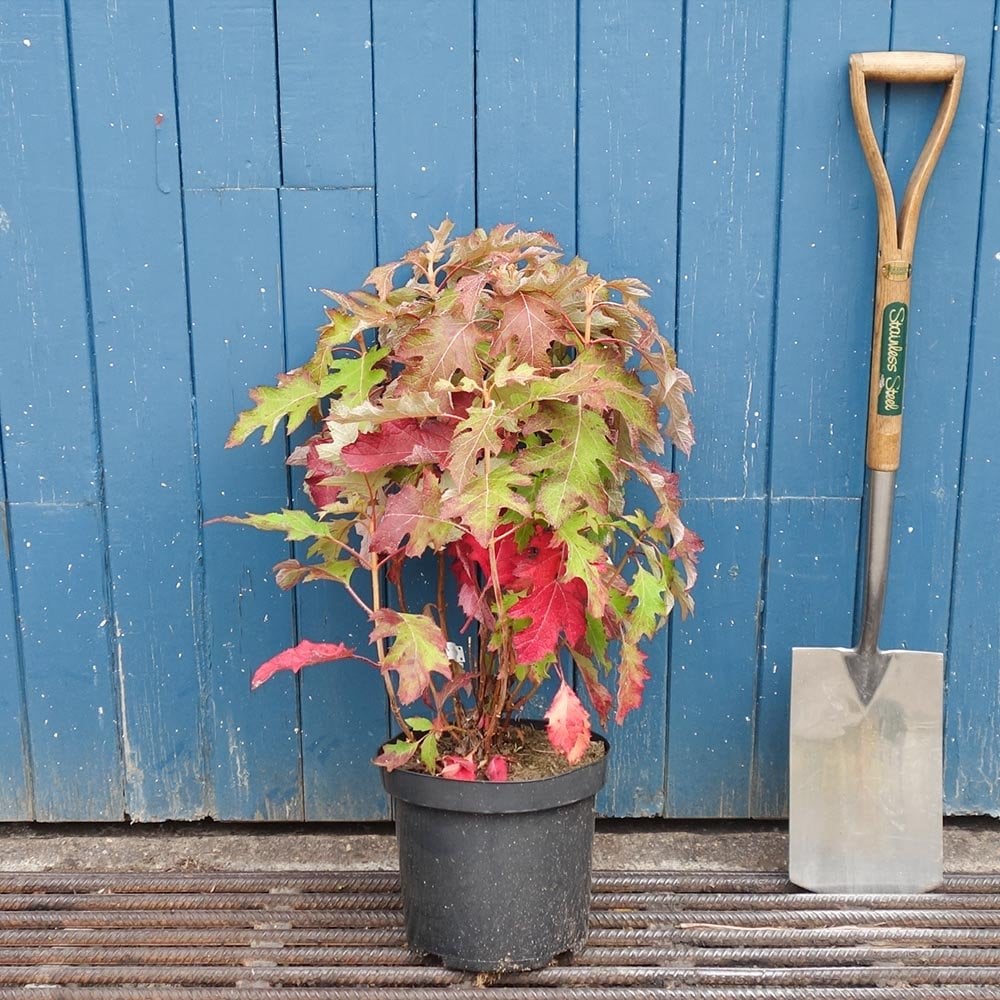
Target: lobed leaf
x=418 y=648
x=415 y=514
x=291 y=400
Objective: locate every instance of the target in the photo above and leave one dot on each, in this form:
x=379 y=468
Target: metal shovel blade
x=865 y=779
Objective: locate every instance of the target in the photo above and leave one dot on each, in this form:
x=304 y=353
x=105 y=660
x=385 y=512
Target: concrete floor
x=971 y=846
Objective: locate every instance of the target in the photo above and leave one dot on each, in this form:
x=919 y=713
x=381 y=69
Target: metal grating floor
x=311 y=936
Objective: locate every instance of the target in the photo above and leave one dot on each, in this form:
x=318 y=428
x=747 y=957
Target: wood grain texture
x=713 y=666
x=15 y=778
x=329 y=242
x=236 y=326
x=733 y=73
x=66 y=638
x=425 y=114
x=526 y=115
x=325 y=70
x=132 y=203
x=56 y=546
x=629 y=129
x=972 y=706
x=227 y=92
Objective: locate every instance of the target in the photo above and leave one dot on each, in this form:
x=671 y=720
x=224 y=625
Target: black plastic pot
x=495 y=875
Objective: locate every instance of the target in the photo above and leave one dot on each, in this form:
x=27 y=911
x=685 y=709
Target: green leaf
x=429 y=752
x=419 y=724
x=395 y=755
x=418 y=647
x=649 y=611
x=477 y=434
x=573 y=468
x=291 y=400
x=290 y=572
x=481 y=503
x=296 y=524
x=351 y=380
x=585 y=558
x=341 y=329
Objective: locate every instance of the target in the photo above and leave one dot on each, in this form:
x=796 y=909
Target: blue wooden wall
x=178 y=177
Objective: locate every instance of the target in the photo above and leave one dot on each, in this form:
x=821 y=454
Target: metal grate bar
x=338 y=936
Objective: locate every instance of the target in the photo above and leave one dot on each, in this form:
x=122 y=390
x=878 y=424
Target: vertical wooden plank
x=236 y=326
x=733 y=85
x=325 y=70
x=972 y=721
x=917 y=603
x=15 y=796
x=329 y=242
x=526 y=115
x=629 y=121
x=424 y=119
x=130 y=172
x=713 y=666
x=227 y=92
x=812 y=561
x=629 y=143
x=56 y=543
x=819 y=384
x=728 y=233
x=58 y=552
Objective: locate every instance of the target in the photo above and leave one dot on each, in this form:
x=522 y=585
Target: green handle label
x=892 y=364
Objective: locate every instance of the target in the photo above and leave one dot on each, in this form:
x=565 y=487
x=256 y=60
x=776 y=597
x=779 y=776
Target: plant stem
x=380 y=646
x=356 y=597
x=400 y=595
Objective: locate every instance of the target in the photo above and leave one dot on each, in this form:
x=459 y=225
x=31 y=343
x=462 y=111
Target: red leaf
x=600 y=696
x=317 y=470
x=527 y=328
x=470 y=556
x=416 y=514
x=305 y=654
x=569 y=724
x=469 y=290
x=399 y=442
x=443 y=344
x=496 y=769
x=555 y=609
x=632 y=677
x=458 y=768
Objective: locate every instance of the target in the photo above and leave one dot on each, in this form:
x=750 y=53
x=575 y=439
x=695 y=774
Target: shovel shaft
x=897 y=233
x=881 y=487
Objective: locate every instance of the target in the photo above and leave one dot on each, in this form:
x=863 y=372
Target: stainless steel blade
x=865 y=778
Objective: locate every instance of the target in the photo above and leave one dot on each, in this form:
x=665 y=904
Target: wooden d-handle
x=909 y=67
x=897 y=233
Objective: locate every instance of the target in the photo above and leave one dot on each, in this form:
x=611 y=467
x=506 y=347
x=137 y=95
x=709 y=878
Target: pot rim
x=532 y=795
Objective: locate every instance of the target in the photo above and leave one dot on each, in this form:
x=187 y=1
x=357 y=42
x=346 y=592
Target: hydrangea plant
x=490 y=408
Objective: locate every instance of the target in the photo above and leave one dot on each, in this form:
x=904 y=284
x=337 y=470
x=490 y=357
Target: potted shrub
x=490 y=409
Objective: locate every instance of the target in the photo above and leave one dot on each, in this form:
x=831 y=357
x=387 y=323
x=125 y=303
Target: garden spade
x=866 y=726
